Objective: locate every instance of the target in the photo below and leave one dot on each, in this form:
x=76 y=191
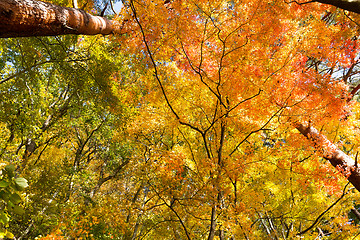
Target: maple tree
x=186 y=126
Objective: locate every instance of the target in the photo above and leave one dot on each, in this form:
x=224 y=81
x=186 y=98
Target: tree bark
x=350 y=5
x=212 y=223
x=345 y=164
x=26 y=18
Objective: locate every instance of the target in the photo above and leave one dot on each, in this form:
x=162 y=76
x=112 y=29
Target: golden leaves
x=211 y=89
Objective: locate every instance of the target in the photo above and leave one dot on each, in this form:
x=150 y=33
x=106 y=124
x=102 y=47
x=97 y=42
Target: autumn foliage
x=188 y=124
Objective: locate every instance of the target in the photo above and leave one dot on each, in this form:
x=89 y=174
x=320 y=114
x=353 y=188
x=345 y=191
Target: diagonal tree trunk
x=26 y=18
x=350 y=5
x=344 y=163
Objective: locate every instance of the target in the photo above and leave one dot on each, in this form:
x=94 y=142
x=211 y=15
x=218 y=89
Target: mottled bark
x=344 y=163
x=350 y=5
x=25 y=18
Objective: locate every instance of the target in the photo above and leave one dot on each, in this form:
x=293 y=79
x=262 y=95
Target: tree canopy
x=186 y=120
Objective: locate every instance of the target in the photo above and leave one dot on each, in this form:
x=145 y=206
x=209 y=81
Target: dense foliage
x=182 y=127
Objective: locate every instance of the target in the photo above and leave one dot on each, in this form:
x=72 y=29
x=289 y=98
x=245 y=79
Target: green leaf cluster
x=10 y=198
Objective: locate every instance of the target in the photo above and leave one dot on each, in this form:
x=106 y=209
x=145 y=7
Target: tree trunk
x=212 y=223
x=350 y=5
x=345 y=164
x=26 y=18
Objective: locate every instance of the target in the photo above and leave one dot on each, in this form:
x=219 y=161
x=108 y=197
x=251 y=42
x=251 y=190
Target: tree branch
x=354 y=91
x=323 y=213
x=341 y=161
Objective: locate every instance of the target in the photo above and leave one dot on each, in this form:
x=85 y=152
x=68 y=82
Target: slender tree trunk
x=345 y=164
x=212 y=224
x=356 y=213
x=25 y=18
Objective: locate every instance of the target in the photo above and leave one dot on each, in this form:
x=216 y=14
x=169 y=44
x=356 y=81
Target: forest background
x=184 y=120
